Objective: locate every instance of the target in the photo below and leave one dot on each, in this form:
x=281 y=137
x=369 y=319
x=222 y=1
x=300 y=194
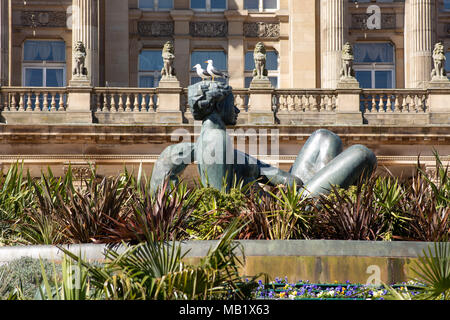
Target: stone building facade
x=395 y=110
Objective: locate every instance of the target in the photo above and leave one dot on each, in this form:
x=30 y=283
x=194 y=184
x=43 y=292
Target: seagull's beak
x=206 y=61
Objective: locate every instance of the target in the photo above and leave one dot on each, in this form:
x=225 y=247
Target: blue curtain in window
x=373 y=52
x=54 y=51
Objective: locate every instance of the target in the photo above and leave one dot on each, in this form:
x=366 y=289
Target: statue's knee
x=363 y=154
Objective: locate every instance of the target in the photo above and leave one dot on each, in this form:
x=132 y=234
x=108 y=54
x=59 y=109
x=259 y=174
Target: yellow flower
x=282 y=294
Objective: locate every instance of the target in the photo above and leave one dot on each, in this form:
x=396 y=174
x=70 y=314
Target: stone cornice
x=157 y=134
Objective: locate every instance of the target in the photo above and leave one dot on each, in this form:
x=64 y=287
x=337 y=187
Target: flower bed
x=304 y=290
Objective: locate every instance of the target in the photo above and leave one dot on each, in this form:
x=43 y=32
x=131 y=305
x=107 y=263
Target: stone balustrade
x=287 y=106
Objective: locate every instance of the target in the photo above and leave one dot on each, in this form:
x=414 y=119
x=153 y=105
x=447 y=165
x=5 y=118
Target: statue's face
x=229 y=112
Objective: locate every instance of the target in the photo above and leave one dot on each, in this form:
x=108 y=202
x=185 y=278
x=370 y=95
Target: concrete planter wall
x=313 y=260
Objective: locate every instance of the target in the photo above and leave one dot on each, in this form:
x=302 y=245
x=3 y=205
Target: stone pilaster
x=181 y=39
x=333 y=34
x=236 y=54
x=418 y=42
x=85 y=29
x=4 y=36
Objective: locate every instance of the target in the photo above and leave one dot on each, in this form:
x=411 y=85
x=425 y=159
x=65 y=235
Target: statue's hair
x=205 y=98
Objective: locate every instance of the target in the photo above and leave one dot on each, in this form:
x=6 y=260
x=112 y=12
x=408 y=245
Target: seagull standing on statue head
x=201 y=73
x=213 y=72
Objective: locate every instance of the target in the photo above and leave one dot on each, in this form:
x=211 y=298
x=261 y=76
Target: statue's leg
x=320 y=148
x=344 y=170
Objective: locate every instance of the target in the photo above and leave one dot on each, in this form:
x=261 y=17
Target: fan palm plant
x=155 y=270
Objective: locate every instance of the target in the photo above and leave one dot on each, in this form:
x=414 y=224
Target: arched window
x=374 y=65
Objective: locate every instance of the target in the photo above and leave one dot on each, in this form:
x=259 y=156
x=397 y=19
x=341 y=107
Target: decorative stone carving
x=52 y=19
x=259 y=55
x=347 y=62
x=168 y=56
x=359 y=21
x=439 y=62
x=79 y=54
x=347 y=74
x=261 y=30
x=208 y=29
x=155 y=28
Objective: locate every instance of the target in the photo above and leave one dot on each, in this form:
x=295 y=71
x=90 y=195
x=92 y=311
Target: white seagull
x=201 y=73
x=213 y=72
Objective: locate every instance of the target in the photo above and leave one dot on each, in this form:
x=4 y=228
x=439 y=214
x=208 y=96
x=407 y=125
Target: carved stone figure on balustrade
x=168 y=56
x=259 y=55
x=80 y=57
x=439 y=72
x=347 y=62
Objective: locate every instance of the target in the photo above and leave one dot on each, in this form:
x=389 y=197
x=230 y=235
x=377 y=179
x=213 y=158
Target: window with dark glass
x=374 y=65
x=157 y=5
x=209 y=5
x=200 y=57
x=150 y=65
x=44 y=63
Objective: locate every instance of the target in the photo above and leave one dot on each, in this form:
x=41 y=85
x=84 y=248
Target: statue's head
x=347 y=48
x=260 y=48
x=206 y=98
x=79 y=47
x=168 y=47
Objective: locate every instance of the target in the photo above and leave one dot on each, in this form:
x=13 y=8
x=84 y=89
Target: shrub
x=25 y=273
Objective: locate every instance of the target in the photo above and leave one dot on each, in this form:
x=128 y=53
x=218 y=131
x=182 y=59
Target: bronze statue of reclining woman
x=321 y=162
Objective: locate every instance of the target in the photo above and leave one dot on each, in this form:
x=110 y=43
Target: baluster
x=242 y=104
x=388 y=103
x=5 y=102
x=414 y=104
x=404 y=103
x=53 y=103
x=105 y=102
x=128 y=103
x=381 y=104
x=113 y=102
x=321 y=106
x=21 y=102
x=299 y=103
x=407 y=103
x=136 y=102
x=151 y=105
x=366 y=103
x=45 y=104
x=29 y=103
x=61 y=102
x=374 y=104
x=37 y=103
x=157 y=102
x=290 y=103
x=98 y=102
x=121 y=109
x=397 y=103
x=315 y=106
x=144 y=102
x=13 y=102
x=307 y=104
